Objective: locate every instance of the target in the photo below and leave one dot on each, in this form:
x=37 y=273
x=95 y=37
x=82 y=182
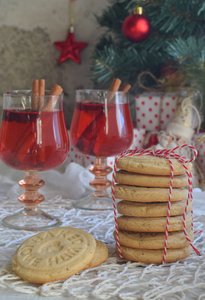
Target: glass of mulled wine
x=101 y=126
x=32 y=140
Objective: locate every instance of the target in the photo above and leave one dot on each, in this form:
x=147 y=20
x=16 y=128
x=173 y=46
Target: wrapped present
x=154 y=110
x=138 y=138
x=86 y=160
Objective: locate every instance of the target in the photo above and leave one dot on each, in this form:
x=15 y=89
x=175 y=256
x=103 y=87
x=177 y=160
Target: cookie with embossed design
x=152 y=165
x=54 y=254
x=154 y=240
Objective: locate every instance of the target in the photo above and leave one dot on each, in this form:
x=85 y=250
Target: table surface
x=114 y=279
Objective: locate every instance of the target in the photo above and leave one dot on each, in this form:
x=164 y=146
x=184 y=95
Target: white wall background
x=28 y=29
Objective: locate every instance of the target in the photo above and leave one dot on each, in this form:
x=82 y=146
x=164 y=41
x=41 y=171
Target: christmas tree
x=175 y=44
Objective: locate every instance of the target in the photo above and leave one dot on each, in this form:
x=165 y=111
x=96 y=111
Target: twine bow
x=168 y=154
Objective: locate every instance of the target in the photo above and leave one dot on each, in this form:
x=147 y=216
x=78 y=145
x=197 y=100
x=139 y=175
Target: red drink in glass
x=101 y=130
x=33 y=140
x=101 y=126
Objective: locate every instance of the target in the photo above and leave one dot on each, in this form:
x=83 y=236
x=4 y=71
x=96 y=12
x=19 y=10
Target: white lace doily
x=114 y=279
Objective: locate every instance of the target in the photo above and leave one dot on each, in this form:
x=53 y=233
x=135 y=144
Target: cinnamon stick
x=113 y=88
x=125 y=88
x=35 y=94
x=56 y=90
x=115 y=85
x=41 y=93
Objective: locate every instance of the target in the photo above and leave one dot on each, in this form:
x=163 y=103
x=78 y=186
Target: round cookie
x=155 y=209
x=157 y=224
x=154 y=256
x=54 y=254
x=131 y=178
x=101 y=255
x=155 y=240
x=152 y=165
x=145 y=194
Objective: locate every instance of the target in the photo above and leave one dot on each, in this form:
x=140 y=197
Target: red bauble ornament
x=136 y=27
x=70 y=49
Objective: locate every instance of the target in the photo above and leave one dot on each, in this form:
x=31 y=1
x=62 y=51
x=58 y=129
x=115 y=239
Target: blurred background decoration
x=28 y=30
x=172 y=50
x=125 y=38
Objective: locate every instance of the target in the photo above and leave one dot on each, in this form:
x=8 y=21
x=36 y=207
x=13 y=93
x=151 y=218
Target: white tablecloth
x=114 y=279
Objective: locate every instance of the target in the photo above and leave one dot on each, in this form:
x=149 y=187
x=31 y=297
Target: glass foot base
x=33 y=220
x=92 y=202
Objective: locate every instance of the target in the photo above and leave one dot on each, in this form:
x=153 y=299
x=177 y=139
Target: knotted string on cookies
x=168 y=154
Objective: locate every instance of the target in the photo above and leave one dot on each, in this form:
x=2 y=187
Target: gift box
x=154 y=110
x=86 y=160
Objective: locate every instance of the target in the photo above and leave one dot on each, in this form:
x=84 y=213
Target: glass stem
x=31 y=197
x=100 y=169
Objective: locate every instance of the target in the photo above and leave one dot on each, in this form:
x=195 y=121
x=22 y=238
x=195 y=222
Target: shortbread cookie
x=55 y=254
x=154 y=256
x=131 y=178
x=155 y=209
x=155 y=240
x=153 y=224
x=101 y=255
x=144 y=194
x=147 y=164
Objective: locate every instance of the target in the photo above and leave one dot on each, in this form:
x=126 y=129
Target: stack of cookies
x=143 y=185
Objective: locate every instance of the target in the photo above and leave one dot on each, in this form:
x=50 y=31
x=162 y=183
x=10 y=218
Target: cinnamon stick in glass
x=125 y=88
x=26 y=142
x=56 y=90
x=35 y=94
x=88 y=130
x=115 y=85
x=41 y=93
x=113 y=88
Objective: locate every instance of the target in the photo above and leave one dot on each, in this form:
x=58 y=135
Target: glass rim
x=99 y=90
x=28 y=93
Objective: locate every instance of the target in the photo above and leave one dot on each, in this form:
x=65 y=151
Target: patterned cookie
x=155 y=209
x=55 y=254
x=131 y=178
x=154 y=256
x=101 y=255
x=155 y=240
x=145 y=194
x=157 y=224
x=152 y=165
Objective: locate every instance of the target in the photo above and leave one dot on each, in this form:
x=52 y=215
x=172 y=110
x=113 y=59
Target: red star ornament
x=70 y=49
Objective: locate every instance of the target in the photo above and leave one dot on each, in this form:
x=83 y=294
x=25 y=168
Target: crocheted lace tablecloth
x=114 y=279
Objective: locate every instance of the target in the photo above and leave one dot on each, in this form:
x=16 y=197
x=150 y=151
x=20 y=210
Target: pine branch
x=116 y=56
x=190 y=54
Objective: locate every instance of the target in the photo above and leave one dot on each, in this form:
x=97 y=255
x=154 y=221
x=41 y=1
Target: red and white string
x=168 y=154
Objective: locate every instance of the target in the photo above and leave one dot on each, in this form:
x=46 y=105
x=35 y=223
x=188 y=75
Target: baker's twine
x=165 y=153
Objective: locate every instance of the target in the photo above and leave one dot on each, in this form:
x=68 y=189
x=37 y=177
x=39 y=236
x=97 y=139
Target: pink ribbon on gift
x=165 y=153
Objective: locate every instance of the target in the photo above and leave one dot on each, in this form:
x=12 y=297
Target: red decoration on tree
x=136 y=27
x=70 y=49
